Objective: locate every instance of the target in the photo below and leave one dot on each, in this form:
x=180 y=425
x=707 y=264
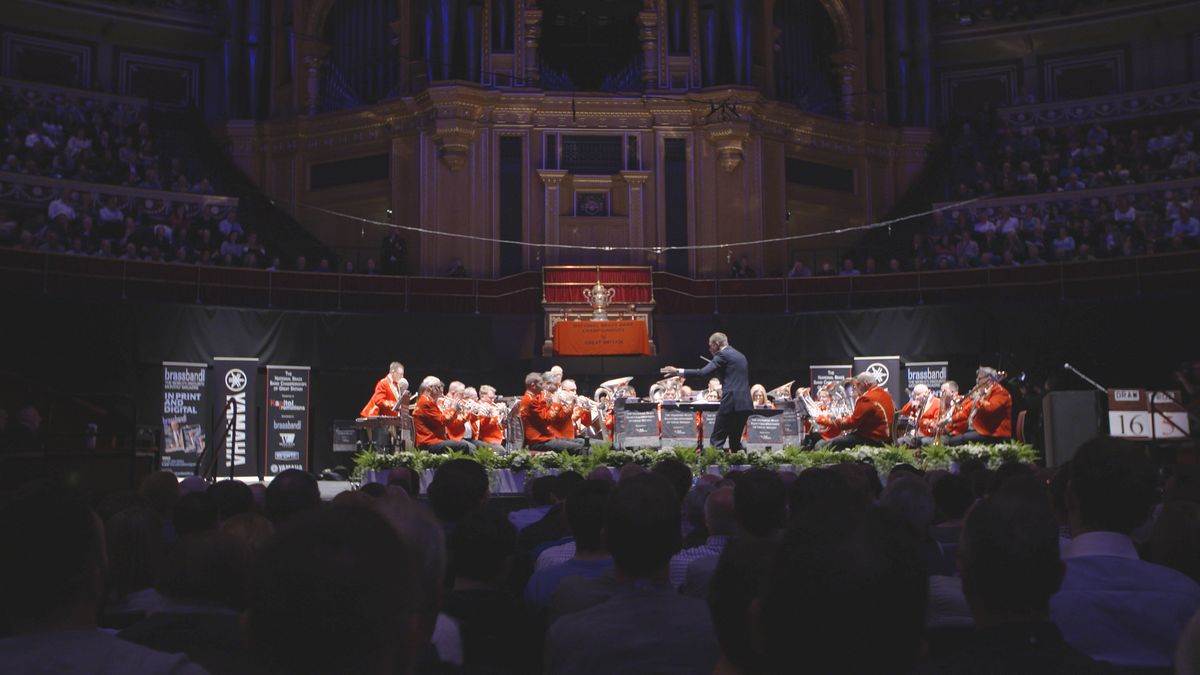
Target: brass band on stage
x=552 y=414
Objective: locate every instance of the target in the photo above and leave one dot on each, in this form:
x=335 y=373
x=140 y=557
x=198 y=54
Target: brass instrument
x=914 y=422
x=782 y=391
x=949 y=408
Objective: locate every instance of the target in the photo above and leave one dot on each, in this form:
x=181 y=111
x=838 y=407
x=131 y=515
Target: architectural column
x=533 y=32
x=922 y=46
x=648 y=25
x=902 y=86
x=636 y=181
x=552 y=179
x=314 y=60
x=845 y=64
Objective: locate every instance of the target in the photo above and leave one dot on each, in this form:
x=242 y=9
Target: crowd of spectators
x=1085 y=568
x=92 y=140
x=992 y=160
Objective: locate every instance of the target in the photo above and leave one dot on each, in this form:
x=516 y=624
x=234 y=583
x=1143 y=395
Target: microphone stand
x=1085 y=378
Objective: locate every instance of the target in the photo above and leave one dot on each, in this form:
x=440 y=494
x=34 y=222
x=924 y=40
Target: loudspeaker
x=1071 y=418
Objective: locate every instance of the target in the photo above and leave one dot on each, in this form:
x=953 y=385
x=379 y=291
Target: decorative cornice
x=551 y=177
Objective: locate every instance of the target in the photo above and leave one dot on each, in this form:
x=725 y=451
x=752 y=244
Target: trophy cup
x=599 y=298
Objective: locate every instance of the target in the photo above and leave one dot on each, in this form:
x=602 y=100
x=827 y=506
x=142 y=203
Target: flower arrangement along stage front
x=511 y=468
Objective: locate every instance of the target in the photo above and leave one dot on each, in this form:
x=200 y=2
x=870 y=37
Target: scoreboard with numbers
x=1138 y=414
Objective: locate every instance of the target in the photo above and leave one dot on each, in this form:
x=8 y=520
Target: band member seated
x=870 y=423
x=813 y=432
x=922 y=412
x=456 y=424
x=758 y=396
x=429 y=420
x=581 y=415
x=489 y=423
x=384 y=401
x=990 y=418
x=539 y=415
x=952 y=414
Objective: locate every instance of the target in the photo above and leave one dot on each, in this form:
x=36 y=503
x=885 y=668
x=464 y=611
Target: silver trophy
x=599 y=298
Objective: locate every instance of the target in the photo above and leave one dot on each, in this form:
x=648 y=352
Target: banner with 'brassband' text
x=286 y=434
x=184 y=416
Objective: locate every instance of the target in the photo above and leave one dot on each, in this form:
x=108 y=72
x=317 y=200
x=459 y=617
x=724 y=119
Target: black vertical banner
x=235 y=380
x=286 y=435
x=184 y=416
x=886 y=370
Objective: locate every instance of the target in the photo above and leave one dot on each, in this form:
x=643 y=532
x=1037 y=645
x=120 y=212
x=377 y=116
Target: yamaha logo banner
x=886 y=370
x=184 y=416
x=287 y=418
x=236 y=413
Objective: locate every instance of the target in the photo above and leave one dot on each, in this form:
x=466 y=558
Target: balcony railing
x=66 y=276
x=1130 y=105
x=1133 y=193
x=25 y=190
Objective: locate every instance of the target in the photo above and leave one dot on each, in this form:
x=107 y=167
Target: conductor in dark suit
x=729 y=365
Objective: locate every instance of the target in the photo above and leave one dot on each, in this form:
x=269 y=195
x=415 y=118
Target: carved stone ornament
x=453 y=139
x=730 y=140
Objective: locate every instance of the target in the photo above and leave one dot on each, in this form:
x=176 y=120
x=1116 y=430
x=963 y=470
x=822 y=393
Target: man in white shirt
x=1113 y=606
x=63 y=206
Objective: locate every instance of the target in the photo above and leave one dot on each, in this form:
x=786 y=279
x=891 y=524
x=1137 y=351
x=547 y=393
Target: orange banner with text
x=595 y=338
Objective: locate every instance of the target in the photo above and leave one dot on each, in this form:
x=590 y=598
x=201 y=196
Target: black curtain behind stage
x=83 y=348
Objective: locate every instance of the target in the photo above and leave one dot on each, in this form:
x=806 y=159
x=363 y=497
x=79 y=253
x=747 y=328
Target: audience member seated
x=232 y=498
x=136 y=548
x=194 y=512
x=910 y=498
x=291 y=493
x=844 y=601
x=1113 y=606
x=540 y=493
x=1010 y=568
x=721 y=522
x=760 y=502
x=495 y=638
x=203 y=587
x=459 y=487
x=625 y=633
x=736 y=584
x=584 y=511
x=316 y=604
x=52 y=577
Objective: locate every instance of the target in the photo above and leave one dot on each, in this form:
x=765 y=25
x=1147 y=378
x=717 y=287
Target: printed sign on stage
x=708 y=419
x=184 y=416
x=820 y=376
x=287 y=418
x=235 y=380
x=678 y=427
x=789 y=419
x=886 y=370
x=635 y=425
x=764 y=430
x=929 y=373
x=1129 y=415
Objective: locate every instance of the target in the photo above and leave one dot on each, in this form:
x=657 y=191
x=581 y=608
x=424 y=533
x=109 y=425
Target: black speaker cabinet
x=1070 y=419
